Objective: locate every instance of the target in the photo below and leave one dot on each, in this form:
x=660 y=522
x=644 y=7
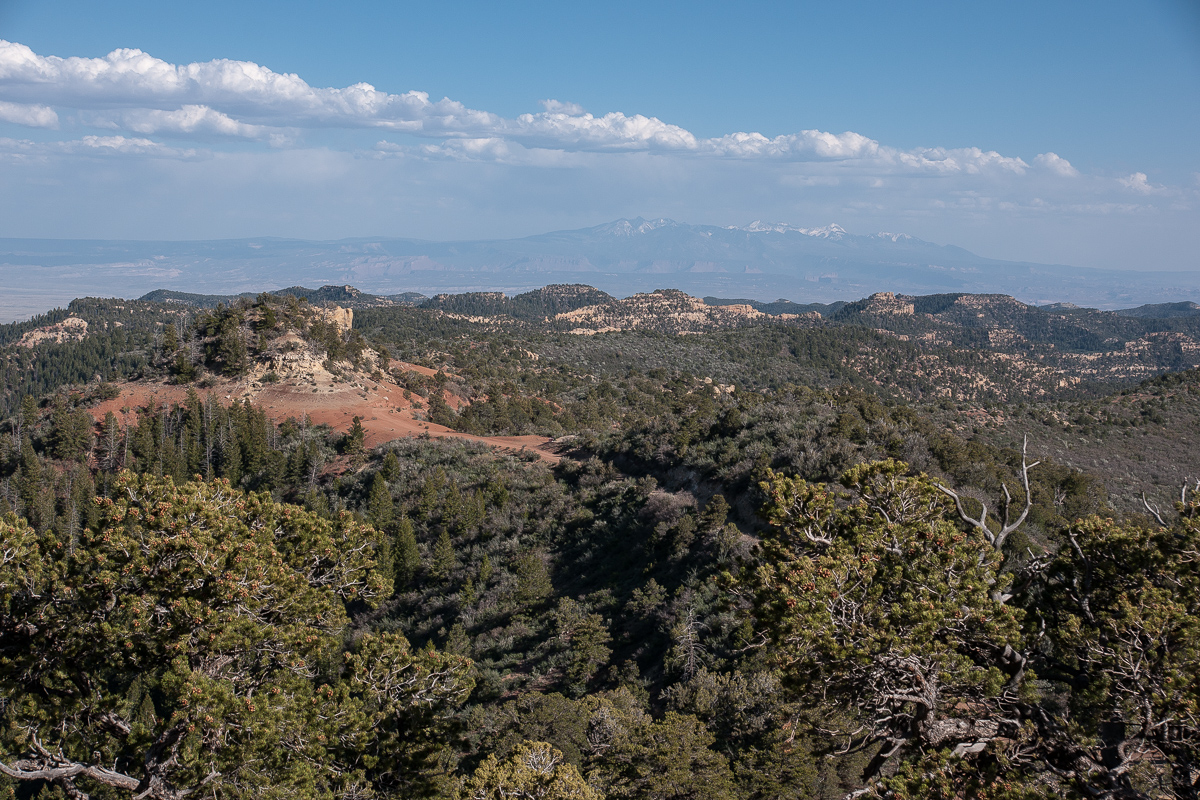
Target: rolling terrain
x=761 y=261
x=519 y=371
x=637 y=536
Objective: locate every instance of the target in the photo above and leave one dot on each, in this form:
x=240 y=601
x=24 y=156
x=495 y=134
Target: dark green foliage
x=110 y=350
x=585 y=638
x=192 y=637
x=740 y=581
x=443 y=559
x=439 y=411
x=70 y=434
x=379 y=504
x=352 y=444
x=531 y=306
x=408 y=557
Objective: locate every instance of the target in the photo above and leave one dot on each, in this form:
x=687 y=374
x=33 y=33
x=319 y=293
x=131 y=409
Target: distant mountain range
x=762 y=261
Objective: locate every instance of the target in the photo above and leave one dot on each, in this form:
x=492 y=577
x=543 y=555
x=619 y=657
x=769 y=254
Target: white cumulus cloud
x=127 y=79
x=132 y=91
x=31 y=116
x=558 y=157
x=99 y=146
x=190 y=119
x=1140 y=183
x=1056 y=164
x=557 y=106
x=611 y=131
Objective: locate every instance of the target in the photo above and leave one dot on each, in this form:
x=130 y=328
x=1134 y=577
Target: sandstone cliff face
x=343 y=318
x=71 y=329
x=888 y=303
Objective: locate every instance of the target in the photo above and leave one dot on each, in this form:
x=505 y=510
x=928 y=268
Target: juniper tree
x=535 y=771
x=1121 y=609
x=193 y=639
x=884 y=616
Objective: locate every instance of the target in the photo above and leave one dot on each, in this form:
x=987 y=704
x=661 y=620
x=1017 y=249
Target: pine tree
x=431 y=493
x=70 y=431
x=444 y=559
x=353 y=443
x=533 y=579
x=883 y=573
x=385 y=557
x=184 y=369
x=451 y=503
x=485 y=571
x=170 y=339
x=108 y=455
x=457 y=641
x=29 y=475
x=407 y=555
x=379 y=503
x=586 y=638
x=474 y=511
x=27 y=417
x=439 y=411
x=714 y=515
x=390 y=469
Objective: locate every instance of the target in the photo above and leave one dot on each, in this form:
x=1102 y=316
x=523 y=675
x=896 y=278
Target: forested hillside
x=939 y=547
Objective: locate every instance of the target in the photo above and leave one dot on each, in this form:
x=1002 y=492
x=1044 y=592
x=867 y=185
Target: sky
x=1056 y=132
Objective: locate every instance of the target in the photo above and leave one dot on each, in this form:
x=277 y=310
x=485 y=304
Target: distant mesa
x=537 y=305
x=566 y=301
x=780 y=306
x=1163 y=310
x=325 y=294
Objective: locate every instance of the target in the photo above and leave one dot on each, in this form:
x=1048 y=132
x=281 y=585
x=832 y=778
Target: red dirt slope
x=384 y=412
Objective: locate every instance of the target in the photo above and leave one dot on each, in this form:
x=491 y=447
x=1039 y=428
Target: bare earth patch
x=381 y=406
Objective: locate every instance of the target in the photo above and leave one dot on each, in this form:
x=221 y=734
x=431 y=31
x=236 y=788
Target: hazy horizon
x=1048 y=134
x=760 y=261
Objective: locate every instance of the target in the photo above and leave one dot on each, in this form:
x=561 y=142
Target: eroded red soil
x=381 y=406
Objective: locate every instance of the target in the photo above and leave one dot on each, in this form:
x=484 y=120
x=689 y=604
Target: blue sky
x=1051 y=131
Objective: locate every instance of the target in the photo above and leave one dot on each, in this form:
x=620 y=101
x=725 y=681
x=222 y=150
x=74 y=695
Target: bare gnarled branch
x=997 y=540
x=1153 y=509
x=31 y=770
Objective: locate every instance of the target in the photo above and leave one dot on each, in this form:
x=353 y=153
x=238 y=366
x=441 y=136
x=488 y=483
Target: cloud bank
x=403 y=159
x=135 y=92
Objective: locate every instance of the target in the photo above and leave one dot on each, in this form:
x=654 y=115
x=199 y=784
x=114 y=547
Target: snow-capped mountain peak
x=637 y=225
x=895 y=237
x=831 y=231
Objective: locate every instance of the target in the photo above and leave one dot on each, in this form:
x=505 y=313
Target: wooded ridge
x=565 y=545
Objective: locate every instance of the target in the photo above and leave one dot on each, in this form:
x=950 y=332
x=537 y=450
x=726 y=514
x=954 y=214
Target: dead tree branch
x=1009 y=525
